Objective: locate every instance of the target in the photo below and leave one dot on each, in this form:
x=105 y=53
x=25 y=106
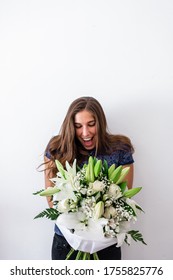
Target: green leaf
x=78 y=168
x=137 y=236
x=49 y=213
x=139 y=208
x=123 y=186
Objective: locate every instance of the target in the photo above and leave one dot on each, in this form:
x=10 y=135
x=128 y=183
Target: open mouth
x=87 y=142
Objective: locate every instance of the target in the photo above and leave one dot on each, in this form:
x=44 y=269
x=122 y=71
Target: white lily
x=93 y=230
x=124 y=227
x=71 y=169
x=59 y=180
x=120 y=239
x=90 y=229
x=72 y=220
x=66 y=191
x=63 y=206
x=65 y=176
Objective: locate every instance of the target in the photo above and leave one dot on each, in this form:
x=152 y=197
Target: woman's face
x=85 y=128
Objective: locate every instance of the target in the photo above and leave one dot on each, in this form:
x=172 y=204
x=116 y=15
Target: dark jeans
x=60 y=249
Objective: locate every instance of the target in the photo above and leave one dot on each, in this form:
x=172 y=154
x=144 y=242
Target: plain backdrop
x=52 y=52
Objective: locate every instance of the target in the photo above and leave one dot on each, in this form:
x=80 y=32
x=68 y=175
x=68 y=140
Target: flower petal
x=120 y=239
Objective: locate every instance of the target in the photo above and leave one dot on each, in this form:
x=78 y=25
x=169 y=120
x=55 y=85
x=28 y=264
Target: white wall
x=52 y=52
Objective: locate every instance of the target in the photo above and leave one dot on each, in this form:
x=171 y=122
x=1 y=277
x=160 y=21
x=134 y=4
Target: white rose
x=98 y=186
x=110 y=212
x=114 y=191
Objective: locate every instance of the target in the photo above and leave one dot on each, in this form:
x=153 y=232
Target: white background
x=52 y=52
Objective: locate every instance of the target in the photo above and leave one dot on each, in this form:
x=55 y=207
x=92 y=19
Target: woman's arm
x=47 y=176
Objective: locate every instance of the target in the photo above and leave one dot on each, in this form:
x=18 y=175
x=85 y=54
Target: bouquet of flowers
x=92 y=206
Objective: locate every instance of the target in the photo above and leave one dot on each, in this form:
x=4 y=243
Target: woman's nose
x=85 y=131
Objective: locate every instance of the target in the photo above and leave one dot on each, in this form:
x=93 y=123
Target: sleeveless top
x=119 y=157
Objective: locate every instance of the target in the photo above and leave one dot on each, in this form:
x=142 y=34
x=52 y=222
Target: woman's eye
x=91 y=124
x=77 y=126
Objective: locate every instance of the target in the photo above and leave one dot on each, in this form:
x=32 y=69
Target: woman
x=84 y=133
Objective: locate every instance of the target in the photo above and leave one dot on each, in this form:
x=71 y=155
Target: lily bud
x=99 y=210
x=49 y=191
x=105 y=197
x=132 y=192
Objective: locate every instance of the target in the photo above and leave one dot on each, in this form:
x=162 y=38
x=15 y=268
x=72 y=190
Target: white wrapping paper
x=82 y=244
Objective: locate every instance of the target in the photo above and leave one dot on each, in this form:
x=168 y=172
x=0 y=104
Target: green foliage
x=139 y=208
x=123 y=186
x=49 y=213
x=137 y=236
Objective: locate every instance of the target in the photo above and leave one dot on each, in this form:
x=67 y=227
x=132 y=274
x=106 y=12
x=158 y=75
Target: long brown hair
x=66 y=147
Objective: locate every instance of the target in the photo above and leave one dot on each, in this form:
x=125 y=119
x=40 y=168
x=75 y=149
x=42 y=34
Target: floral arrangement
x=92 y=206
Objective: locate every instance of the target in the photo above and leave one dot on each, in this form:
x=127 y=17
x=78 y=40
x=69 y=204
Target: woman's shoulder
x=121 y=143
x=118 y=157
x=120 y=150
x=52 y=147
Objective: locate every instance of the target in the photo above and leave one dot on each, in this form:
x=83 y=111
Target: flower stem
x=70 y=253
x=86 y=256
x=95 y=256
x=79 y=255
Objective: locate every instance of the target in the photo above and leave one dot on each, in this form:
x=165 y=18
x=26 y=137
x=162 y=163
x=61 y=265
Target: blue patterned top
x=119 y=157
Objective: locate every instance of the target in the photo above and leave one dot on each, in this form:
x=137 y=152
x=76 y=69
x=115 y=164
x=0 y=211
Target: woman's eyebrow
x=87 y=122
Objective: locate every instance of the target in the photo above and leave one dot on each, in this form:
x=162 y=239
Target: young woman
x=84 y=133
